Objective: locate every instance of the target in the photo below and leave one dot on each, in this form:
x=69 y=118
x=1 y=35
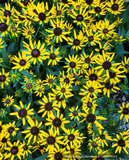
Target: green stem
x=36 y=32
x=5 y=52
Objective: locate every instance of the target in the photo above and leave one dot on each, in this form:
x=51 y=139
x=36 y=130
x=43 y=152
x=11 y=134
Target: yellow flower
x=4 y=27
x=26 y=149
x=125 y=64
x=28 y=31
x=8 y=100
x=39 y=90
x=124 y=111
x=94 y=144
x=15 y=30
x=49 y=80
x=4 y=78
x=75 y=113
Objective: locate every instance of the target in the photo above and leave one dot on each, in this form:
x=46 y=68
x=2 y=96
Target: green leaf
x=29 y=157
x=68 y=125
x=19 y=136
x=11 y=47
x=21 y=43
x=76 y=88
x=5 y=58
x=43 y=157
x=27 y=74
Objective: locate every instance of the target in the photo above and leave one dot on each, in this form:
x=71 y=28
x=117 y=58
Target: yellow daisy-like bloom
x=124 y=111
x=77 y=41
x=122 y=143
x=108 y=87
x=49 y=80
x=4 y=140
x=7 y=12
x=68 y=26
x=102 y=154
x=60 y=10
x=53 y=56
x=35 y=52
x=58 y=31
x=58 y=153
x=125 y=64
x=58 y=101
x=24 y=3
x=22 y=62
x=89 y=103
x=118 y=39
x=1 y=45
x=64 y=91
x=75 y=113
x=23 y=112
x=28 y=86
x=39 y=147
x=8 y=100
x=4 y=78
x=26 y=149
x=15 y=30
x=28 y=31
x=47 y=106
x=94 y=144
x=88 y=3
x=51 y=140
x=56 y=122
x=39 y=82
x=115 y=7
x=73 y=64
x=39 y=90
x=10 y=129
x=10 y=58
x=73 y=137
x=91 y=118
x=91 y=89
x=4 y=27
x=14 y=150
x=119 y=21
x=49 y=40
x=106 y=30
x=34 y=131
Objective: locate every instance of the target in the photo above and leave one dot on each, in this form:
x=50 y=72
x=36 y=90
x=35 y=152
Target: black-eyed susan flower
x=88 y=3
x=23 y=112
x=68 y=26
x=10 y=129
x=8 y=100
x=49 y=40
x=56 y=98
x=4 y=78
x=28 y=86
x=50 y=81
x=73 y=64
x=89 y=103
x=121 y=143
x=94 y=144
x=92 y=118
x=124 y=111
x=24 y=3
x=39 y=82
x=4 y=140
x=47 y=106
x=3 y=112
x=26 y=149
x=53 y=56
x=22 y=62
x=51 y=140
x=56 y=122
x=19 y=18
x=58 y=30
x=34 y=131
x=60 y=10
x=75 y=113
x=77 y=41
x=115 y=7
x=35 y=52
x=17 y=93
x=28 y=31
x=39 y=90
x=4 y=27
x=64 y=91
x=39 y=147
x=125 y=64
x=15 y=150
x=101 y=155
x=14 y=75
x=15 y=30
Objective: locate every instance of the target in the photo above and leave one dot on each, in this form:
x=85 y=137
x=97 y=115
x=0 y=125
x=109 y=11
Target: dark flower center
x=102 y=1
x=91 y=118
x=76 y=42
x=75 y=113
x=106 y=65
x=25 y=2
x=35 y=11
x=78 y=6
x=87 y=21
x=3 y=27
x=94 y=144
x=115 y=7
x=89 y=1
x=28 y=85
x=72 y=64
x=100 y=158
x=41 y=147
x=51 y=140
x=48 y=106
x=90 y=38
x=105 y=31
x=89 y=104
x=4 y=140
x=121 y=143
x=42 y=16
x=64 y=1
x=97 y=9
x=63 y=90
x=108 y=85
x=8 y=101
x=71 y=137
x=57 y=122
x=57 y=31
x=14 y=150
x=34 y=131
x=79 y=17
x=6 y=13
x=25 y=147
x=125 y=111
x=93 y=77
x=126 y=66
x=52 y=56
x=91 y=89
x=66 y=80
x=22 y=113
x=87 y=60
x=22 y=62
x=72 y=151
x=59 y=99
x=102 y=136
x=112 y=75
x=29 y=32
x=21 y=18
x=35 y=53
x=50 y=80
x=11 y=129
x=58 y=156
x=14 y=29
x=58 y=12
